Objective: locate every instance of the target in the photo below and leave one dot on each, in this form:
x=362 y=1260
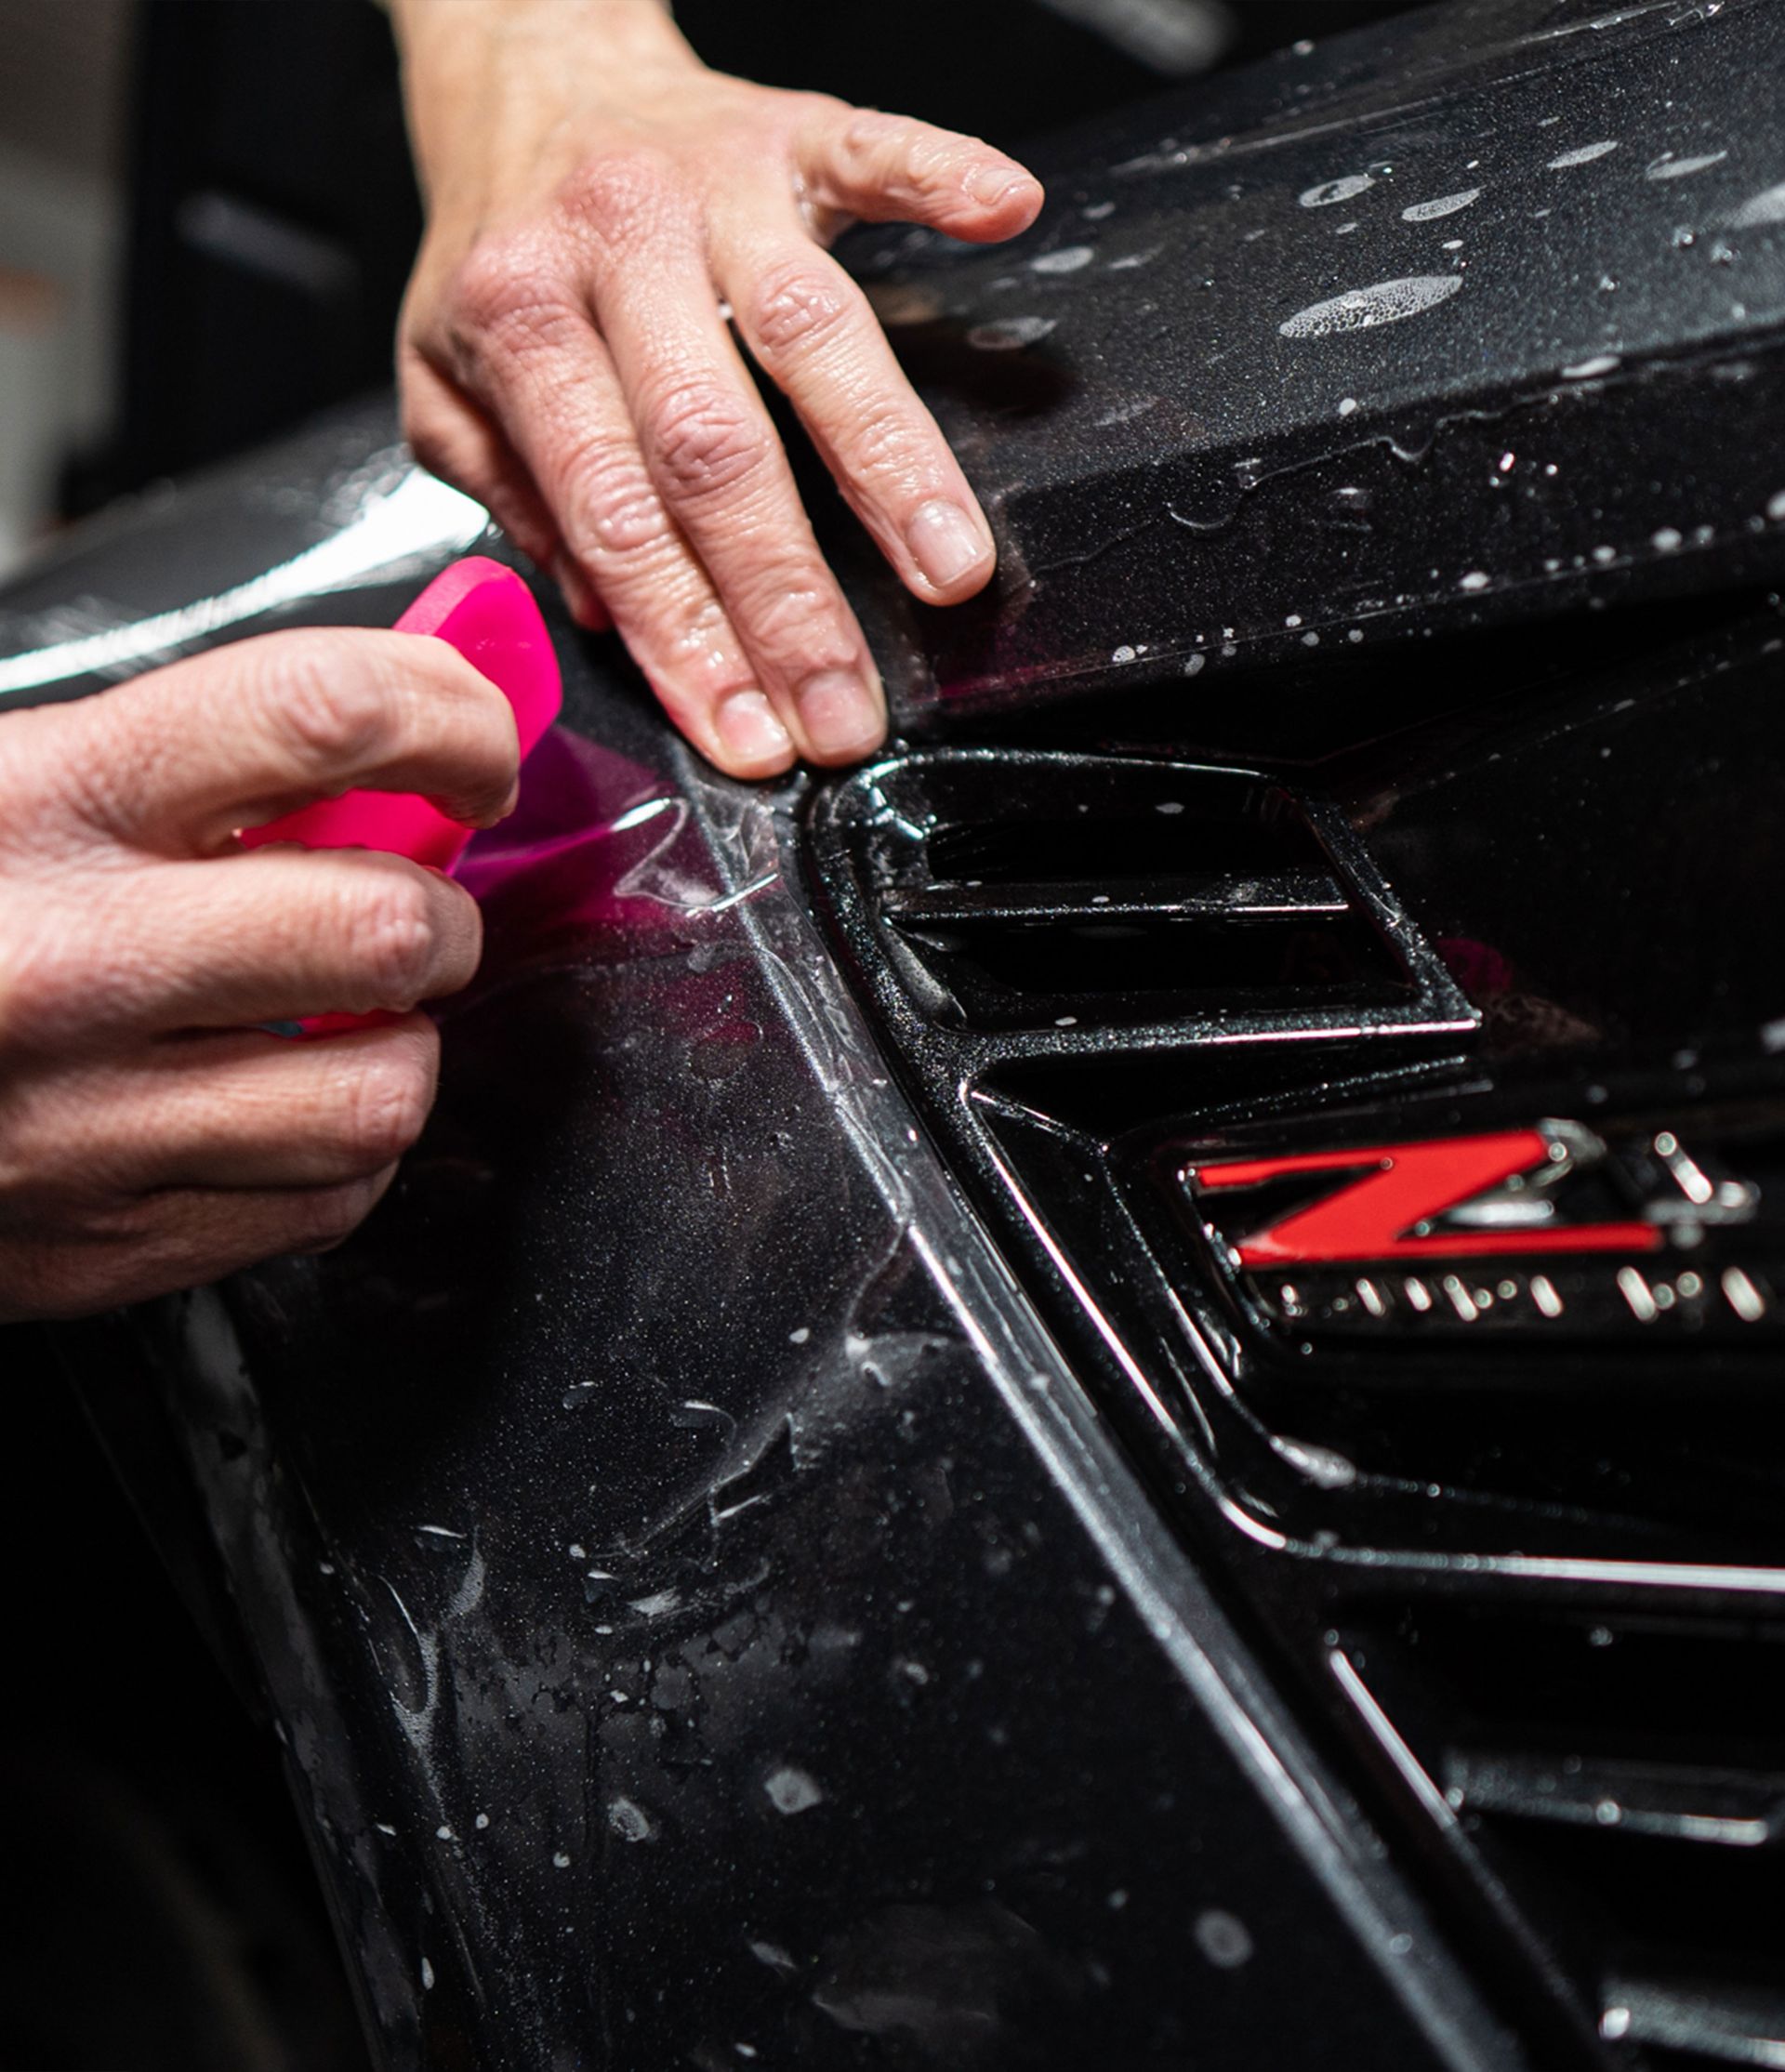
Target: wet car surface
x=888 y=1488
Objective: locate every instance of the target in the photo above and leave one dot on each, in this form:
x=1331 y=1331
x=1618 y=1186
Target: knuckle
x=395 y=937
x=95 y=768
x=337 y=710
x=510 y=292
x=871 y=136
x=887 y=444
x=799 y=307
x=385 y=1111
x=47 y=972
x=618 y=509
x=620 y=196
x=796 y=612
x=697 y=634
x=908 y=158
x=705 y=441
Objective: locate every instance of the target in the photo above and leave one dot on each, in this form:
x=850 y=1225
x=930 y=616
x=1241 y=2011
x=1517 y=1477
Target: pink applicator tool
x=488 y=613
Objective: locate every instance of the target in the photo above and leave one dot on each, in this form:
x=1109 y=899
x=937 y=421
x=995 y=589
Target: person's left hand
x=599 y=204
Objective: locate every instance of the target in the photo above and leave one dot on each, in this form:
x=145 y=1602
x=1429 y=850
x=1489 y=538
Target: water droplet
x=1070 y=259
x=1679 y=168
x=628 y=1819
x=1445 y=205
x=1363 y=308
x=1222 y=1938
x=1332 y=191
x=1583 y=154
x=792 y=1790
x=1767 y=206
x=1008 y=333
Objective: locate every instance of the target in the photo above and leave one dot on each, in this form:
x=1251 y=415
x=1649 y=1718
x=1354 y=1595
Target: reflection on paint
x=419 y=519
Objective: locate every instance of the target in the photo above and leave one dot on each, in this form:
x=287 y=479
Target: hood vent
x=1059 y=894
x=1623 y=1783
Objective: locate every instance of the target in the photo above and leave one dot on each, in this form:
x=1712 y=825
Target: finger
x=266 y=935
x=812 y=331
x=455 y=439
x=713 y=454
x=180 y=759
x=244 y=1110
x=178 y=1240
x=889 y=169
x=547 y=375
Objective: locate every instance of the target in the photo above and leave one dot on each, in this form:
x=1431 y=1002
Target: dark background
x=157 y=1908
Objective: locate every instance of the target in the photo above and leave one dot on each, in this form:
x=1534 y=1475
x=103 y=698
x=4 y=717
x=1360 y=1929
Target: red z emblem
x=1372 y=1218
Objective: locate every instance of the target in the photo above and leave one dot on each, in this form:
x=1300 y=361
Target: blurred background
x=206 y=219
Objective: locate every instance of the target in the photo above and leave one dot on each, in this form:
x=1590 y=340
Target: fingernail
x=947 y=544
x=840 y=715
x=992 y=184
x=748 y=730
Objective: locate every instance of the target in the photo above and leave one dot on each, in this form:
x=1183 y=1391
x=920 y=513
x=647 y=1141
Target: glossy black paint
x=1461 y=318
x=700 y=1607
x=792 y=1460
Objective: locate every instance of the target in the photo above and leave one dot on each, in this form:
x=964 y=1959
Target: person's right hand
x=152 y=1135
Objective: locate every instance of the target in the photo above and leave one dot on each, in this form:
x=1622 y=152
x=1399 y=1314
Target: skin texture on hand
x=152 y=1135
x=599 y=204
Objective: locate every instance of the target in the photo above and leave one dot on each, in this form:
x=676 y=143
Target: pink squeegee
x=487 y=613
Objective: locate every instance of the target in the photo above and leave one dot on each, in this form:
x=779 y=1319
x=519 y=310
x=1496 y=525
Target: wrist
x=463 y=56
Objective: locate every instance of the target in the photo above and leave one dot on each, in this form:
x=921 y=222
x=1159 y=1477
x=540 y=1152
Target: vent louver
x=1622 y=1780
x=1049 y=893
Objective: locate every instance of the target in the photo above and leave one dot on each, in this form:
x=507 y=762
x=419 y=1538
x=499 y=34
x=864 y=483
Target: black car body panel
x=894 y=1484
x=1461 y=318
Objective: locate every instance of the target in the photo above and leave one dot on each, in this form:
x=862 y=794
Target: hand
x=152 y=1135
x=598 y=202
